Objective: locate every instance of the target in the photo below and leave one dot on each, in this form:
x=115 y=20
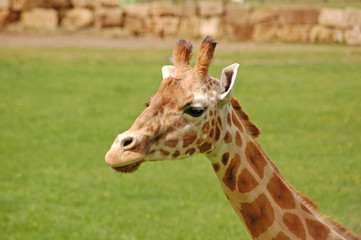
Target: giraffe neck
x=266 y=204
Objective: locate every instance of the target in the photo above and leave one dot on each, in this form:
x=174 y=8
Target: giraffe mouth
x=128 y=168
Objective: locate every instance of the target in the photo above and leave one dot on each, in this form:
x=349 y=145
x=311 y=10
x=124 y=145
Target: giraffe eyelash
x=194 y=111
x=147 y=103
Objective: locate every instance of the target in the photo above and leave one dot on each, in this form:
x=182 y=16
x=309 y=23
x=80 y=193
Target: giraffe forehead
x=200 y=100
x=171 y=93
x=178 y=96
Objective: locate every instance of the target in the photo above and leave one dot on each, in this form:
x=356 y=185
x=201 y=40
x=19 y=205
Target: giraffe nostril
x=127 y=142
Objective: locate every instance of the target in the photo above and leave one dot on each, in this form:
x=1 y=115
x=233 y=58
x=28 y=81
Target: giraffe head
x=183 y=118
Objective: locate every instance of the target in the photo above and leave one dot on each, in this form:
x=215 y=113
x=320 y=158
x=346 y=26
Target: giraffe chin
x=128 y=168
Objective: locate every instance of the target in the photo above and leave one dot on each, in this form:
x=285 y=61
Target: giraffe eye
x=194 y=111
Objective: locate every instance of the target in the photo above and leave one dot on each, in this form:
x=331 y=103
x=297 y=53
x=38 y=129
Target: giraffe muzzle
x=126 y=153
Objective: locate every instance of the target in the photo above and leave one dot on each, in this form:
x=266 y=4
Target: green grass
x=61 y=108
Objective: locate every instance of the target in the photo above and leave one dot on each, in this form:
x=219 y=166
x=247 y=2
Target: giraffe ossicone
x=194 y=113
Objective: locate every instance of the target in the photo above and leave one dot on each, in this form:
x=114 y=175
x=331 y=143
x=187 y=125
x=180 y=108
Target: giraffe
x=194 y=113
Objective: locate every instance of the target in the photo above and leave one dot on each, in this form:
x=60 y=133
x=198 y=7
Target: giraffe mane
x=251 y=128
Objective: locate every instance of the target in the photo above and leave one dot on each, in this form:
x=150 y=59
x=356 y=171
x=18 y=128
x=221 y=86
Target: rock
x=139 y=10
x=4 y=14
x=77 y=18
x=170 y=9
x=237 y=14
x=163 y=9
x=56 y=4
x=265 y=15
x=86 y=3
x=213 y=26
x=186 y=10
x=294 y=33
x=110 y=3
x=242 y=32
x=40 y=18
x=299 y=16
x=166 y=26
x=7 y=16
x=108 y=17
x=137 y=19
x=4 y=4
x=352 y=17
x=116 y=32
x=211 y=9
x=266 y=31
x=210 y=27
x=238 y=22
x=321 y=33
x=353 y=36
x=21 y=5
x=136 y=25
x=189 y=27
x=335 y=18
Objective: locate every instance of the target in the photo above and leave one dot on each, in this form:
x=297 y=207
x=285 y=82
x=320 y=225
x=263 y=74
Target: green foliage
x=60 y=110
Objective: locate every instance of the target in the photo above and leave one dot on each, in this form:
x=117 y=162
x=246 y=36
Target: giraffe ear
x=228 y=77
x=167 y=71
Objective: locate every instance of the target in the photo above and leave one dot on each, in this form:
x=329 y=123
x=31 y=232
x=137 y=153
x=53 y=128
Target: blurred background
x=75 y=73
x=333 y=21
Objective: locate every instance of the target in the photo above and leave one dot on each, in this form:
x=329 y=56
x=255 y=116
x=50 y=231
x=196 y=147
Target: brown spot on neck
x=225 y=158
x=280 y=193
x=216 y=167
x=229 y=121
x=258 y=215
x=251 y=128
x=317 y=229
x=304 y=208
x=246 y=182
x=211 y=133
x=218 y=133
x=219 y=121
x=238 y=139
x=294 y=224
x=236 y=122
x=227 y=137
x=255 y=158
x=281 y=236
x=230 y=176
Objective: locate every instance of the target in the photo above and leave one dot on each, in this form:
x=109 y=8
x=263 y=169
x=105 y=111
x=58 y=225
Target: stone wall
x=235 y=21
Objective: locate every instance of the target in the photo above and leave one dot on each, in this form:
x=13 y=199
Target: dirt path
x=89 y=40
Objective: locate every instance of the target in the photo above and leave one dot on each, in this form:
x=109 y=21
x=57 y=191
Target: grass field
x=61 y=108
